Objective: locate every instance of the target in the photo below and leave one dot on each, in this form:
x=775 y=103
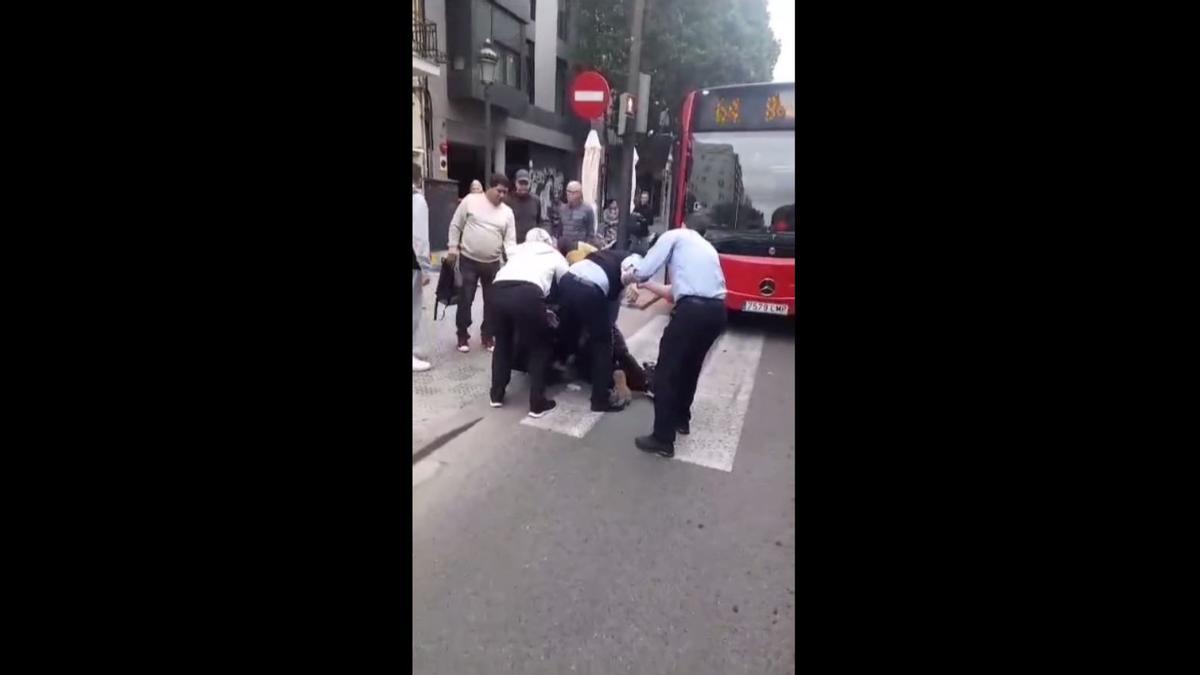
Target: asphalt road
x=536 y=551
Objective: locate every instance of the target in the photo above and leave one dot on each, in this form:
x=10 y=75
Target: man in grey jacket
x=576 y=220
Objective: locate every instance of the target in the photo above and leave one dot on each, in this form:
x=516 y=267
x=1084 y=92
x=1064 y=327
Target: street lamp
x=487 y=75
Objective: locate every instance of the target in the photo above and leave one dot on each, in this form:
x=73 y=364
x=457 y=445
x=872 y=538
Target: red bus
x=737 y=164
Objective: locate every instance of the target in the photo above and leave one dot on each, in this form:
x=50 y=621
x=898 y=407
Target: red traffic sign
x=589 y=95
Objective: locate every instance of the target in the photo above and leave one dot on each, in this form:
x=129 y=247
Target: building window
x=507 y=35
x=508 y=69
x=563 y=11
x=532 y=10
x=560 y=86
x=529 y=80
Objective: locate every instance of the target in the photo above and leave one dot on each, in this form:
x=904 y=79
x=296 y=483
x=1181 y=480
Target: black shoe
x=542 y=409
x=683 y=428
x=652 y=444
x=607 y=407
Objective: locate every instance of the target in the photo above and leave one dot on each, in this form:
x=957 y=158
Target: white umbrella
x=590 y=175
x=633 y=188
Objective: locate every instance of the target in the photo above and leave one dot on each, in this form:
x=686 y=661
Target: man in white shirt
x=421 y=262
x=482 y=230
x=518 y=305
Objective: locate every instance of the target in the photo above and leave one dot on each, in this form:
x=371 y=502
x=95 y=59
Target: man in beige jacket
x=483 y=232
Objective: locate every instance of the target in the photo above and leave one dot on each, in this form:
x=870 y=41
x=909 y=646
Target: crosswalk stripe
x=643 y=344
x=722 y=398
x=718 y=410
x=573 y=414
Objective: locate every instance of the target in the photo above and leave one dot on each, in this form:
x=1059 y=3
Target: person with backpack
x=482 y=230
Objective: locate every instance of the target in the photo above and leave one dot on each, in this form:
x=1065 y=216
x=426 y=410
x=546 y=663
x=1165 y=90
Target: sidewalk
x=453 y=392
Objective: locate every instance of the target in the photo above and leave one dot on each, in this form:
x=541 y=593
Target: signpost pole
x=631 y=85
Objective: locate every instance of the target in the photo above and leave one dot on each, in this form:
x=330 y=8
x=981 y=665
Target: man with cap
x=576 y=220
x=527 y=209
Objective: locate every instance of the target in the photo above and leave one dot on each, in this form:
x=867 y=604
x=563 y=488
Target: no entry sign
x=589 y=95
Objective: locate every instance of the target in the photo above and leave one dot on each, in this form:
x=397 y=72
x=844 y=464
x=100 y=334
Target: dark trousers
x=695 y=325
x=475 y=273
x=519 y=308
x=587 y=308
x=635 y=375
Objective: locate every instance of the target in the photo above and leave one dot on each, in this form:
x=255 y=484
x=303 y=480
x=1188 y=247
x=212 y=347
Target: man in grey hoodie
x=522 y=286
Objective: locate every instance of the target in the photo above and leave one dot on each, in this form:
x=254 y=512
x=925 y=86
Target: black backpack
x=446 y=292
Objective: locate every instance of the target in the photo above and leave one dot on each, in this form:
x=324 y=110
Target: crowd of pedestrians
x=554 y=279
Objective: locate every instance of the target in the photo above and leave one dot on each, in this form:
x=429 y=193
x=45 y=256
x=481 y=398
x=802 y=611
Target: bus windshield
x=744 y=180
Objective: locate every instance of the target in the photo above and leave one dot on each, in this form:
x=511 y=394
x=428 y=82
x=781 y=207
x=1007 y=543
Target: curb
x=428 y=448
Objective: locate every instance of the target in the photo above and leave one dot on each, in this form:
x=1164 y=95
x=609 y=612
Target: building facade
x=427 y=60
x=532 y=127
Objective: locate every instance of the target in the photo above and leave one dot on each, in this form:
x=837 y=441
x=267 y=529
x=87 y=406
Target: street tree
x=687 y=44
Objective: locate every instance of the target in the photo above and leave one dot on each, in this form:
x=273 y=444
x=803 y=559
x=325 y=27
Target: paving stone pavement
x=456 y=380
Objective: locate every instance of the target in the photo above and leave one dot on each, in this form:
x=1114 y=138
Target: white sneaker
x=420 y=366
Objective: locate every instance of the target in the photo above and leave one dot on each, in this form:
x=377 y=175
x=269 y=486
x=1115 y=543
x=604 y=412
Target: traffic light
x=624 y=112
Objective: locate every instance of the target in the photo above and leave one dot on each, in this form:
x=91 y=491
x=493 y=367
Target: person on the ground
x=482 y=230
x=519 y=307
x=698 y=291
x=527 y=209
x=476 y=187
x=576 y=220
x=590 y=296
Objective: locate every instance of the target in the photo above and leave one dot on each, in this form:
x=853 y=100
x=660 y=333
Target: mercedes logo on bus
x=771 y=251
x=767 y=287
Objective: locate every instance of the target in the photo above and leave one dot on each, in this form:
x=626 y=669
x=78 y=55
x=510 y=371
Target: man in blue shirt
x=698 y=290
x=590 y=294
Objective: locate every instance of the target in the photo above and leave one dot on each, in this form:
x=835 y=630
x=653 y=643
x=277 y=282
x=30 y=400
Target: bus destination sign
x=758 y=108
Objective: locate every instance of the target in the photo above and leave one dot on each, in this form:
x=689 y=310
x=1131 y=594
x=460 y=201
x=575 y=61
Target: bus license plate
x=765 y=307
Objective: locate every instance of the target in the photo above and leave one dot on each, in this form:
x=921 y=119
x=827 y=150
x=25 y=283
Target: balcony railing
x=425 y=42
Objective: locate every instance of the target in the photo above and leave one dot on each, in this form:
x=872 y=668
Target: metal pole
x=487 y=131
x=631 y=86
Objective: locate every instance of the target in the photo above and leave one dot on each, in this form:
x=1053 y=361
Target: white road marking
x=722 y=398
x=643 y=344
x=573 y=415
x=718 y=410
